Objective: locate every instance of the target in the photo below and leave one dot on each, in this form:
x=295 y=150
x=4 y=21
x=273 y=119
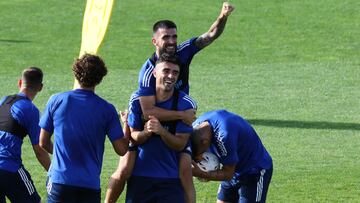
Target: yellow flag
x=96 y=19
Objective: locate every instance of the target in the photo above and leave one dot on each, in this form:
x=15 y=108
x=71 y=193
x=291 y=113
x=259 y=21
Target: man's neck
x=78 y=86
x=28 y=93
x=163 y=95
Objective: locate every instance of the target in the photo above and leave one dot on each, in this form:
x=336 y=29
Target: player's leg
x=171 y=191
x=227 y=192
x=186 y=177
x=21 y=188
x=120 y=176
x=254 y=187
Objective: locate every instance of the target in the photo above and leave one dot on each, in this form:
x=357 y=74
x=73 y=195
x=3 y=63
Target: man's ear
x=154 y=72
x=41 y=87
x=20 y=83
x=153 y=40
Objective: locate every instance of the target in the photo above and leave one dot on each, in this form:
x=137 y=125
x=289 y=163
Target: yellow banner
x=96 y=19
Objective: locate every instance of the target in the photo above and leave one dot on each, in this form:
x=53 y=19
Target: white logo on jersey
x=220 y=144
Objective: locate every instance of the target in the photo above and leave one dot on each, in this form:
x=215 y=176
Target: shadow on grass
x=14 y=41
x=306 y=124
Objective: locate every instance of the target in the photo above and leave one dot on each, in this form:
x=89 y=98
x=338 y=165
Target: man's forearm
x=218 y=175
x=163 y=114
x=45 y=161
x=139 y=137
x=175 y=142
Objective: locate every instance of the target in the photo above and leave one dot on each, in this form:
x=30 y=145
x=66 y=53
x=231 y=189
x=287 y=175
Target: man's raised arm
x=216 y=28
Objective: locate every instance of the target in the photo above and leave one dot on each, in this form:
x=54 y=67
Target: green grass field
x=290 y=67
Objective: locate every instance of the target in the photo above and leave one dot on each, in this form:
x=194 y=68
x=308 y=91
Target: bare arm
x=216 y=28
x=45 y=141
x=140 y=137
x=226 y=173
x=176 y=142
x=121 y=145
x=148 y=108
x=42 y=156
x=186 y=177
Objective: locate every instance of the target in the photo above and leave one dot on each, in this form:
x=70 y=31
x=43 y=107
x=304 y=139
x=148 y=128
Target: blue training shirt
x=185 y=51
x=155 y=159
x=236 y=142
x=80 y=121
x=27 y=115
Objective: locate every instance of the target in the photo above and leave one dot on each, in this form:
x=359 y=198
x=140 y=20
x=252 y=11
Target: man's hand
x=226 y=10
x=189 y=116
x=197 y=172
x=124 y=116
x=153 y=125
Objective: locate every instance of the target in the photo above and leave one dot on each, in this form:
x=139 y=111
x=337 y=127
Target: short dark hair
x=89 y=70
x=32 y=77
x=166 y=24
x=170 y=58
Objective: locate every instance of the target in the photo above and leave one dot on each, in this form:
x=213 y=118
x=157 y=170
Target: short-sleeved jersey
x=80 y=121
x=155 y=159
x=185 y=51
x=27 y=115
x=236 y=142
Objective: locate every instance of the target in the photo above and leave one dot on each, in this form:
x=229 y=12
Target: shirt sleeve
x=114 y=127
x=147 y=80
x=27 y=115
x=34 y=128
x=188 y=47
x=230 y=146
x=135 y=115
x=185 y=102
x=46 y=120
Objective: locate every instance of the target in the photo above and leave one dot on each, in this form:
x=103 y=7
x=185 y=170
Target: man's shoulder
x=149 y=63
x=186 y=101
x=188 y=43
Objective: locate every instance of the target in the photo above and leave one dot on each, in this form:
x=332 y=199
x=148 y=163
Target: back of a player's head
x=89 y=70
x=165 y=24
x=168 y=58
x=32 y=78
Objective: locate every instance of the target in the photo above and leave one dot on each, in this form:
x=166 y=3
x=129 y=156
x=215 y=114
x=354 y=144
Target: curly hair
x=89 y=70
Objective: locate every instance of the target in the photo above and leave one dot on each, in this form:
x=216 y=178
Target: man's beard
x=164 y=50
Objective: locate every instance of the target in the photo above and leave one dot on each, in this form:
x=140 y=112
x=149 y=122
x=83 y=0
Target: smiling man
x=161 y=145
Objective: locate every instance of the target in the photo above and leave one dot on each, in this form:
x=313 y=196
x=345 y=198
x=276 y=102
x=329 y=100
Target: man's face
x=166 y=75
x=165 y=40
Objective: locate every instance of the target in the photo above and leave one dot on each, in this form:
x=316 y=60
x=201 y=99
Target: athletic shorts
x=247 y=188
x=154 y=190
x=17 y=187
x=71 y=194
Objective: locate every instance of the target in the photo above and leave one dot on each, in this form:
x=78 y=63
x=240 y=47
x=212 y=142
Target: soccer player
x=80 y=121
x=247 y=166
x=155 y=177
x=165 y=40
x=20 y=117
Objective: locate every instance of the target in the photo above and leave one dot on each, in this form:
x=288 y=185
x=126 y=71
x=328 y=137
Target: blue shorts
x=247 y=188
x=17 y=187
x=71 y=194
x=154 y=190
